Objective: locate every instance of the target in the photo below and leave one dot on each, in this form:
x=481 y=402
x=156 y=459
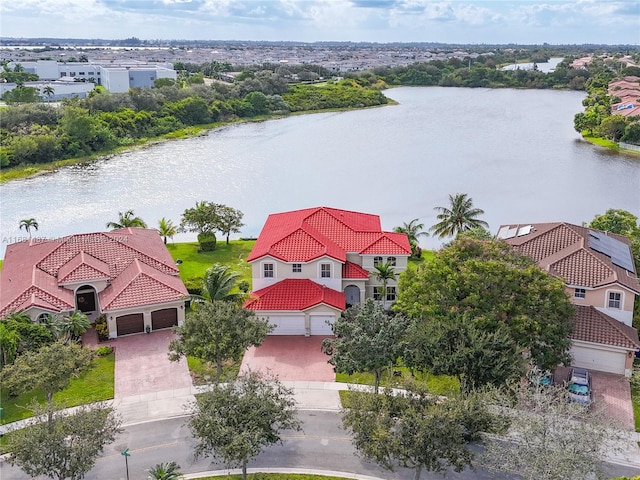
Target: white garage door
x=319 y=325
x=596 y=359
x=288 y=325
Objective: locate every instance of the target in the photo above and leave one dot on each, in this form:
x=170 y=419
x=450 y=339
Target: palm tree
x=48 y=91
x=28 y=224
x=384 y=273
x=166 y=228
x=74 y=325
x=165 y=471
x=413 y=231
x=461 y=216
x=218 y=282
x=127 y=219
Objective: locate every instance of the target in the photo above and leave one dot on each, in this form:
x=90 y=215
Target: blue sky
x=459 y=21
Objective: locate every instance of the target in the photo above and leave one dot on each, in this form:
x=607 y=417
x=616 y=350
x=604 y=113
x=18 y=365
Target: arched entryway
x=352 y=295
x=86 y=299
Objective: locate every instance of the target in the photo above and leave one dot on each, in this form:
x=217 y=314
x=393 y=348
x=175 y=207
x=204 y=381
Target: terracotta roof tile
x=583 y=268
x=83 y=267
x=353 y=270
x=591 y=325
x=296 y=295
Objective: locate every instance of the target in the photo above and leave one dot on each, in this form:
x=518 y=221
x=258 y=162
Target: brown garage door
x=127 y=324
x=165 y=318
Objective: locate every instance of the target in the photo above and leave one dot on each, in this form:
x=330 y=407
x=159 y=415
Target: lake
x=515 y=152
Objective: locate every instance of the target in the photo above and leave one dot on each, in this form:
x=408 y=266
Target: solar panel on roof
x=512 y=232
x=502 y=232
x=524 y=230
x=618 y=251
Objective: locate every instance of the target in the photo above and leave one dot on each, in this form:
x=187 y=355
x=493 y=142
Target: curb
x=302 y=471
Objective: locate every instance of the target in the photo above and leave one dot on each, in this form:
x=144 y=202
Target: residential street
x=323 y=445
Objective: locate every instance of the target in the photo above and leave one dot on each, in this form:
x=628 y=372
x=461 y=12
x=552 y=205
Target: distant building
x=61 y=89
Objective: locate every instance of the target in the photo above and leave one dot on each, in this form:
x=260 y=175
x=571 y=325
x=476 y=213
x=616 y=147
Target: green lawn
x=201 y=370
x=635 y=393
x=195 y=263
x=94 y=386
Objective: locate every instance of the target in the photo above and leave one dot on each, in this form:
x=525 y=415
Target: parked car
x=580 y=386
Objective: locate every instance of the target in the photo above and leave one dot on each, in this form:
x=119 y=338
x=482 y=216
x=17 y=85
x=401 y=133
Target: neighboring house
x=601 y=280
x=628 y=91
x=309 y=265
x=127 y=275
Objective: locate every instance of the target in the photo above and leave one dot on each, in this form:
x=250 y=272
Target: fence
x=629 y=146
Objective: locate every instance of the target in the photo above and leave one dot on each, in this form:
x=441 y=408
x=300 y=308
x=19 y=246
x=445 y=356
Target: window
x=297 y=267
x=267 y=270
x=80 y=73
x=391 y=294
x=43 y=318
x=579 y=293
x=614 y=299
x=91 y=73
x=377 y=293
x=325 y=270
x=391 y=261
x=377 y=261
x=72 y=74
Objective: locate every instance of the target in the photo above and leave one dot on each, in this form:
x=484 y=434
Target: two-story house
x=309 y=265
x=601 y=281
x=127 y=275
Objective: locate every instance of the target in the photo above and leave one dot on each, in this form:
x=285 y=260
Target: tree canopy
x=459 y=216
x=127 y=219
x=495 y=287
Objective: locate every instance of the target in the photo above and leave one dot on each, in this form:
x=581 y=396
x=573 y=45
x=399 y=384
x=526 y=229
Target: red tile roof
x=591 y=325
x=563 y=250
x=352 y=270
x=34 y=272
x=303 y=235
x=296 y=295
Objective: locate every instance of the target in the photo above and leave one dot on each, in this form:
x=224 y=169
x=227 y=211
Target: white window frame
x=620 y=300
x=377 y=260
x=265 y=270
x=296 y=268
x=579 y=293
x=391 y=261
x=378 y=293
x=391 y=293
x=323 y=271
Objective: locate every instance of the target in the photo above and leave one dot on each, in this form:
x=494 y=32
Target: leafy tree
x=67 y=446
x=460 y=216
x=166 y=229
x=413 y=231
x=28 y=224
x=459 y=346
x=50 y=369
x=495 y=286
x=613 y=127
x=21 y=94
x=218 y=331
x=234 y=422
x=384 y=272
x=229 y=220
x=203 y=219
x=478 y=233
x=416 y=430
x=127 y=219
x=367 y=340
x=219 y=281
x=9 y=341
x=549 y=437
x=31 y=336
x=165 y=471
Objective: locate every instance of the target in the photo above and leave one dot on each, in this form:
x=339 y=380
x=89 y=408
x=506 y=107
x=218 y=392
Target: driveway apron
x=290 y=358
x=143 y=366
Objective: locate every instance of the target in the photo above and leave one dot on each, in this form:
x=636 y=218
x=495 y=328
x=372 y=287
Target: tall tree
x=166 y=228
x=218 y=331
x=415 y=429
x=229 y=220
x=496 y=286
x=127 y=219
x=67 y=446
x=219 y=282
x=623 y=223
x=28 y=224
x=458 y=217
x=234 y=422
x=203 y=219
x=384 y=272
x=368 y=339
x=9 y=342
x=413 y=231
x=48 y=91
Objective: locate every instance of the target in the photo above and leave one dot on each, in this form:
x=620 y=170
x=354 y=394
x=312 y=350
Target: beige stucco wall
x=599 y=298
x=310 y=270
x=146 y=312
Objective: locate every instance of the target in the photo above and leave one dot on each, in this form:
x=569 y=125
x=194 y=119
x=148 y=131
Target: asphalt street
x=322 y=445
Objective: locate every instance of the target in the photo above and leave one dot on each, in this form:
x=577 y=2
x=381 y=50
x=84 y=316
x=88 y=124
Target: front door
x=352 y=294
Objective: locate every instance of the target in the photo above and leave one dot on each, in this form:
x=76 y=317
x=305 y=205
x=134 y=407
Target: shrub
x=102 y=328
x=104 y=351
x=207 y=242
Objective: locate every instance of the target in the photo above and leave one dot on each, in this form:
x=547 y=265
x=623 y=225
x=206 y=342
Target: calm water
x=514 y=151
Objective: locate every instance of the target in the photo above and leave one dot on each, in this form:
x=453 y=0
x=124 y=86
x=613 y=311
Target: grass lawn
x=437 y=384
x=93 y=386
x=200 y=370
x=195 y=263
x=635 y=393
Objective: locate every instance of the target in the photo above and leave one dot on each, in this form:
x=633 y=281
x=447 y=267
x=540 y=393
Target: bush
x=207 y=242
x=194 y=285
x=102 y=329
x=104 y=351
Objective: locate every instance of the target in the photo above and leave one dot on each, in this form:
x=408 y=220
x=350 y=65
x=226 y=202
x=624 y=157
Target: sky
x=382 y=21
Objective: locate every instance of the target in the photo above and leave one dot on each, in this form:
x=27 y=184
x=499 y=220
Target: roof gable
x=351 y=270
x=591 y=325
x=295 y=295
x=83 y=267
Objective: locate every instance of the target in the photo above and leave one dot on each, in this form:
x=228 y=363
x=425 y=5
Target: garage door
x=165 y=318
x=319 y=325
x=596 y=359
x=288 y=325
x=127 y=324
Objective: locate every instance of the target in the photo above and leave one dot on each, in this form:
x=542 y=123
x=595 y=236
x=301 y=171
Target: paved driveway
x=142 y=364
x=290 y=358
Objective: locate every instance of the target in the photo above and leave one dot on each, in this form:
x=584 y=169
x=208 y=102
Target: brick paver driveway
x=290 y=358
x=142 y=364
